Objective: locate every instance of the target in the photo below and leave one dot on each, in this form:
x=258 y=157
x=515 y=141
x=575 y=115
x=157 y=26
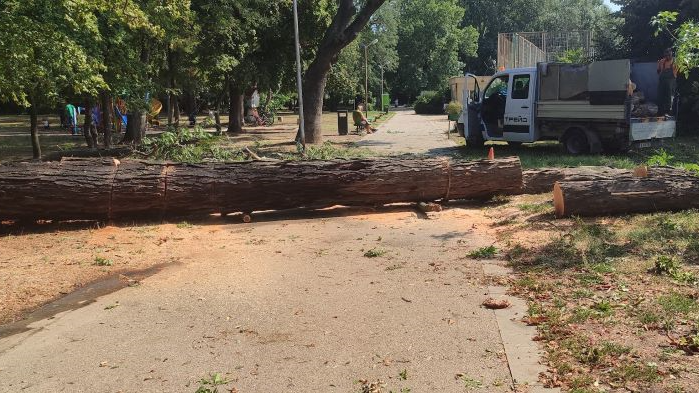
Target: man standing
x=667 y=72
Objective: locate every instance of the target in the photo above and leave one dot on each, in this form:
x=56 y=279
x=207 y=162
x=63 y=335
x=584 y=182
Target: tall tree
x=40 y=58
x=240 y=45
x=430 y=44
x=348 y=21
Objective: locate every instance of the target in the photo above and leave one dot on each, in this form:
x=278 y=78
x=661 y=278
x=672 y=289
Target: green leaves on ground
x=483 y=252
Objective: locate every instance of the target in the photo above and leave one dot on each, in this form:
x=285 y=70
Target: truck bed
x=579 y=110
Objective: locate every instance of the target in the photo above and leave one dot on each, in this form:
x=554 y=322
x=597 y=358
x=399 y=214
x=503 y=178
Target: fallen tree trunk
x=110 y=189
x=669 y=192
x=540 y=181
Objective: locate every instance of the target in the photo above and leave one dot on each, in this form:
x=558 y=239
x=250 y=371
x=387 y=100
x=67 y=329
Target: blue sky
x=612 y=6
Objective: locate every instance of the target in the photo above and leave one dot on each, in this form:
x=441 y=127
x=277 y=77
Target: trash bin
x=342 y=122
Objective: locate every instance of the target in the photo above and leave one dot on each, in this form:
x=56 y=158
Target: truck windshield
x=499 y=85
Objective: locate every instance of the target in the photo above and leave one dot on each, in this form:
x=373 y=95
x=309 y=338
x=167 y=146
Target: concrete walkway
x=316 y=302
x=408 y=132
x=283 y=306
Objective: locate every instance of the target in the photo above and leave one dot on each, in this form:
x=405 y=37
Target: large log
x=672 y=191
x=113 y=189
x=540 y=181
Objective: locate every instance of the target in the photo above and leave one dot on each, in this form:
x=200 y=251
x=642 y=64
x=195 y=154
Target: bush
x=429 y=104
x=454 y=109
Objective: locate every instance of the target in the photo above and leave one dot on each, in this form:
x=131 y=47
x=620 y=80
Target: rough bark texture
x=34 y=131
x=540 y=181
x=106 y=101
x=87 y=122
x=669 y=192
x=235 y=113
x=345 y=27
x=168 y=105
x=136 y=128
x=107 y=188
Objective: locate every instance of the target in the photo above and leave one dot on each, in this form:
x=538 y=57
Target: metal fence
x=528 y=48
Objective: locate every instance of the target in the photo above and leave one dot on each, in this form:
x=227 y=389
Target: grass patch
x=100 y=261
x=595 y=281
x=211 y=384
x=483 y=252
x=678 y=304
x=190 y=146
x=536 y=208
x=680 y=152
x=375 y=253
x=184 y=225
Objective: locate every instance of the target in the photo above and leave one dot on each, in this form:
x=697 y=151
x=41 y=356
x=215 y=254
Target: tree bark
x=34 y=130
x=670 y=192
x=136 y=128
x=235 y=113
x=270 y=94
x=345 y=27
x=106 y=103
x=313 y=97
x=168 y=105
x=217 y=118
x=176 y=110
x=540 y=181
x=106 y=188
x=87 y=126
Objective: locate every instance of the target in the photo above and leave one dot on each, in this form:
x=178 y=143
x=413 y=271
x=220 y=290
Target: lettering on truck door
x=519 y=109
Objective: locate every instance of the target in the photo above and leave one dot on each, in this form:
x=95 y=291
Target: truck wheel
x=575 y=142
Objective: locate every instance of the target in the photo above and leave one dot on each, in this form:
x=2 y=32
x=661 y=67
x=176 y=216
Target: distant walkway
x=408 y=132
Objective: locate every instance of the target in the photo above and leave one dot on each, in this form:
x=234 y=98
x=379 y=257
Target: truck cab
x=504 y=110
x=587 y=108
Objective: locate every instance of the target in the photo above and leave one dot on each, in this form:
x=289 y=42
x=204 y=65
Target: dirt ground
x=608 y=319
x=310 y=301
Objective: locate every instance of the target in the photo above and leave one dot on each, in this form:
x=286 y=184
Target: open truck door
x=519 y=110
x=470 y=117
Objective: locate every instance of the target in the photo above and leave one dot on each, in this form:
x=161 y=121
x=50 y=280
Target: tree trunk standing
x=106 y=101
x=176 y=110
x=235 y=113
x=313 y=96
x=136 y=128
x=34 y=130
x=168 y=106
x=270 y=94
x=345 y=27
x=217 y=117
x=87 y=125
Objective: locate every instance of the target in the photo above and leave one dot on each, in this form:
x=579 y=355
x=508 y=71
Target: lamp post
x=299 y=80
x=366 y=76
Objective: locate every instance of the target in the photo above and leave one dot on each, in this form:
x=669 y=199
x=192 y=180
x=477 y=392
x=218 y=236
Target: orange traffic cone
x=491 y=153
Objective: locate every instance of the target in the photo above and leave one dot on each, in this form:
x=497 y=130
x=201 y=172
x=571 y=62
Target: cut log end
x=558 y=202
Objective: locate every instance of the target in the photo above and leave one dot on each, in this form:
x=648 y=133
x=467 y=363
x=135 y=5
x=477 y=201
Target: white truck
x=587 y=108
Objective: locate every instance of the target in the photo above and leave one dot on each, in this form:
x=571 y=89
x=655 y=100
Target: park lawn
x=684 y=150
x=615 y=300
x=15 y=143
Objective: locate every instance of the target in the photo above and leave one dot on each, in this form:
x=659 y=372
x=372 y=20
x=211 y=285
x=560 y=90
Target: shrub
x=429 y=104
x=454 y=109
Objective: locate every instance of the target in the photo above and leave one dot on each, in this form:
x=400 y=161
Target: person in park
x=359 y=118
x=72 y=118
x=667 y=72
